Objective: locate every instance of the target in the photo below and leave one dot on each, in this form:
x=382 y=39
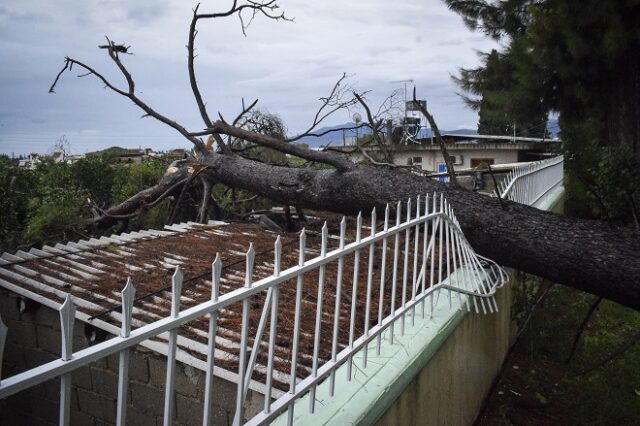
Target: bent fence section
x=382 y=277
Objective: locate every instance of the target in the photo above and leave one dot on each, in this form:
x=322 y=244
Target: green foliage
x=582 y=60
x=51 y=203
x=16 y=186
x=130 y=179
x=507 y=102
x=604 y=396
x=53 y=214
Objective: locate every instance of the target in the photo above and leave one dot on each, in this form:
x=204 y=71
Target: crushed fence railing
x=410 y=262
x=527 y=184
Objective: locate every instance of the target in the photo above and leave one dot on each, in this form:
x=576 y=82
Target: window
x=416 y=160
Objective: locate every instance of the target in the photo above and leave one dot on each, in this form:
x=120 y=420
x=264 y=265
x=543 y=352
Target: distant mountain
x=338 y=137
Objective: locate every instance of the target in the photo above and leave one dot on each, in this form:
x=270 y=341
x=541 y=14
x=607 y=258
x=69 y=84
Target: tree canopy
x=581 y=60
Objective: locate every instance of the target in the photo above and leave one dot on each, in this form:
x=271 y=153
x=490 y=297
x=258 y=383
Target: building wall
x=431 y=158
x=451 y=388
x=34 y=339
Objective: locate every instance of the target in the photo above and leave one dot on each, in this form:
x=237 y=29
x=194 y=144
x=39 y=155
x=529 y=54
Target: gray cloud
x=288 y=66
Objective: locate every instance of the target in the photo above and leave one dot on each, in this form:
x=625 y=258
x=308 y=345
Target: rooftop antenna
x=404 y=121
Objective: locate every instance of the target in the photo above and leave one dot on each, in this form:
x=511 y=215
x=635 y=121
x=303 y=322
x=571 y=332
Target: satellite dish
x=357 y=117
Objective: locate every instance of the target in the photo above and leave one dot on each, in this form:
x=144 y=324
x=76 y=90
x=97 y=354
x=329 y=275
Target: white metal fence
x=527 y=184
x=409 y=262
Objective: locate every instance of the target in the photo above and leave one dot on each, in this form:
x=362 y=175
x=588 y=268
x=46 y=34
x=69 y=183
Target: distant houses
x=115 y=153
x=31 y=162
x=466 y=151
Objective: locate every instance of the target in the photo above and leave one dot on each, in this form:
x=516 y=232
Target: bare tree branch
x=375 y=125
x=338 y=161
x=443 y=148
x=70 y=62
x=379 y=163
x=329 y=105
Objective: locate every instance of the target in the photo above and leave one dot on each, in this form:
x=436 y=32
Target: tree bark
x=584 y=254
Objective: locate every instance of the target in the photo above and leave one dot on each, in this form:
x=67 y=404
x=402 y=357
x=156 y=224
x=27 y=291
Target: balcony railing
x=528 y=184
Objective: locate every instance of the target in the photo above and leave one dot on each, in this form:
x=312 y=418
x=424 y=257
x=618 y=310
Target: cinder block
x=104 y=382
x=157 y=371
x=147 y=399
x=36 y=357
x=22 y=333
x=49 y=339
x=14 y=354
x=19 y=402
x=113 y=362
x=189 y=411
x=8 y=306
x=44 y=316
x=138 y=367
x=78 y=418
x=97 y=405
x=44 y=409
x=82 y=378
x=189 y=381
x=52 y=393
x=138 y=418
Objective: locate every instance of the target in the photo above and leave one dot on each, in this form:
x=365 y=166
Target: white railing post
x=67 y=315
x=367 y=305
x=414 y=280
x=277 y=250
x=354 y=298
x=394 y=279
x=296 y=325
x=405 y=269
x=127 y=296
x=216 y=269
x=383 y=268
x=176 y=293
x=336 y=309
x=318 y=327
x=244 y=331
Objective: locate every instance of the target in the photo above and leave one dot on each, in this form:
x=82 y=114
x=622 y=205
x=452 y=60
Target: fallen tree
x=588 y=255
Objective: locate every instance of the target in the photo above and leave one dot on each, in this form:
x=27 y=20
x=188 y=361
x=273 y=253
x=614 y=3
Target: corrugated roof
x=94 y=271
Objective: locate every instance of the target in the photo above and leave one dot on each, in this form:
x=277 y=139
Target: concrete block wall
x=34 y=338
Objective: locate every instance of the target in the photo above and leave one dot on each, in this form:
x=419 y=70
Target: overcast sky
x=288 y=66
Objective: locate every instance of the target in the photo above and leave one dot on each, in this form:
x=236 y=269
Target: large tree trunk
x=622 y=119
x=585 y=254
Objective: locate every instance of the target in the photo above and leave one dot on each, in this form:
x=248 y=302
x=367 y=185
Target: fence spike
x=373 y=221
x=176 y=290
x=358 y=227
x=325 y=235
x=67 y=315
x=303 y=244
x=386 y=217
x=127 y=296
x=277 y=254
x=251 y=255
x=343 y=231
x=216 y=270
